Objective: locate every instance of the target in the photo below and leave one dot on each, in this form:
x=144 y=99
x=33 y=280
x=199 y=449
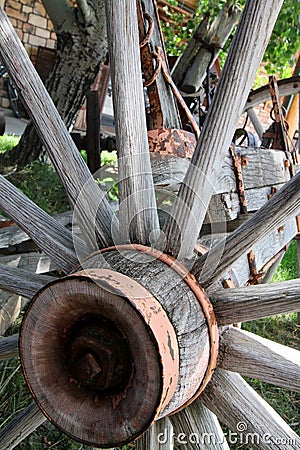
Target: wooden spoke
x=251 y=38
x=249 y=416
x=21 y=426
x=256 y=357
x=271 y=216
x=198 y=428
x=61 y=149
x=158 y=437
x=256 y=122
x=9 y=347
x=254 y=302
x=138 y=214
x=55 y=240
x=21 y=281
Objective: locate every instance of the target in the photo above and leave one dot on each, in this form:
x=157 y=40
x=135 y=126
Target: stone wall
x=34 y=28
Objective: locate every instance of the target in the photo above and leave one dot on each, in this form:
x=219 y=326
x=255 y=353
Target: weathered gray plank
x=244 y=57
x=9 y=347
x=137 y=210
x=21 y=426
x=239 y=407
x=22 y=282
x=198 y=428
x=158 y=437
x=283 y=205
x=262 y=168
x=67 y=161
x=256 y=357
x=254 y=302
x=55 y=240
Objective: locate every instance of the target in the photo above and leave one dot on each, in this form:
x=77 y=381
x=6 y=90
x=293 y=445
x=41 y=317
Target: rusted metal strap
x=168 y=79
x=155 y=116
x=255 y=275
x=279 y=133
x=237 y=167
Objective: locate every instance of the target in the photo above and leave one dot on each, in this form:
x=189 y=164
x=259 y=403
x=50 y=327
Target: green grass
x=7 y=142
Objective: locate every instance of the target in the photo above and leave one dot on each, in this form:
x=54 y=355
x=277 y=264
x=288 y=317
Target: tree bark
x=81 y=46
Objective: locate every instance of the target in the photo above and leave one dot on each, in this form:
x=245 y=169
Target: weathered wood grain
x=49 y=235
x=9 y=347
x=283 y=205
x=288 y=86
x=256 y=122
x=21 y=426
x=12 y=237
x=254 y=302
x=22 y=282
x=240 y=408
x=245 y=54
x=68 y=162
x=256 y=357
x=137 y=204
x=261 y=168
x=158 y=437
x=216 y=37
x=198 y=429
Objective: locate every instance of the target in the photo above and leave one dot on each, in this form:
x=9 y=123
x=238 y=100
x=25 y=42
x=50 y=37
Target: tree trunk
x=81 y=46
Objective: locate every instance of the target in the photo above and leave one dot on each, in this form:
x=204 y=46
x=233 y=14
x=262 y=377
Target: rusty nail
x=287 y=163
x=280 y=229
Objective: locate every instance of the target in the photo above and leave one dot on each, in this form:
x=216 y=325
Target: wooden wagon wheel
x=129 y=336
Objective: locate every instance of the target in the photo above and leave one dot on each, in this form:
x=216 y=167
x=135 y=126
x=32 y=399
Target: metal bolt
x=244 y=161
x=88 y=368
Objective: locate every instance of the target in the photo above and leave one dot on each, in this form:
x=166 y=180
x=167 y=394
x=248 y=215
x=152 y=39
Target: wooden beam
x=256 y=357
x=198 y=428
x=22 y=282
x=138 y=214
x=283 y=205
x=249 y=417
x=62 y=151
x=244 y=57
x=51 y=237
x=254 y=302
x=21 y=426
x=215 y=39
x=9 y=347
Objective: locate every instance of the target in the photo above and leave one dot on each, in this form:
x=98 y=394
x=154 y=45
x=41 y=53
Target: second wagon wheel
x=129 y=339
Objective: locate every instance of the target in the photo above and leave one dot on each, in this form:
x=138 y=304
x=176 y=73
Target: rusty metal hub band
x=206 y=306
